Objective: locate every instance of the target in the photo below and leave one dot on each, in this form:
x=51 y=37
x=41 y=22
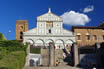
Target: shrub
x=8 y=43
x=2 y=52
x=12 y=45
x=15 y=60
x=12 y=54
x=35 y=50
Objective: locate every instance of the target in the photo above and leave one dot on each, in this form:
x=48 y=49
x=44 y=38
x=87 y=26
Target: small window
x=78 y=37
x=50 y=31
x=49 y=24
x=95 y=37
x=88 y=37
x=21 y=35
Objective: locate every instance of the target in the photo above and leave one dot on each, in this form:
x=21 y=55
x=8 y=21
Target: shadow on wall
x=100 y=56
x=87 y=57
x=91 y=57
x=87 y=61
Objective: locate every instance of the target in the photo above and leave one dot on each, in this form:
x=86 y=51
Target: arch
x=68 y=44
x=59 y=44
x=69 y=41
x=39 y=42
x=30 y=41
x=48 y=41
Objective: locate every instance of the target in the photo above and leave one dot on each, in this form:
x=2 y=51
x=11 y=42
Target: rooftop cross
x=49 y=10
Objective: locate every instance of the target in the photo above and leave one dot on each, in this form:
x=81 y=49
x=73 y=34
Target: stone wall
x=45 y=56
x=84 y=32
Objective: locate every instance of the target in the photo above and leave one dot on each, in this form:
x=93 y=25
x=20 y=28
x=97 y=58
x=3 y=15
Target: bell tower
x=21 y=26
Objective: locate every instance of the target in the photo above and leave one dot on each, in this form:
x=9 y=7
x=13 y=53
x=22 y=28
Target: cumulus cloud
x=88 y=9
x=75 y=18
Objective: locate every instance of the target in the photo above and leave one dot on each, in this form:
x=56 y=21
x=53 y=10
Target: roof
x=22 y=21
x=67 y=30
x=85 y=27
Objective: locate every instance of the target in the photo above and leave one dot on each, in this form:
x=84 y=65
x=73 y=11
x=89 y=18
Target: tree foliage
x=2 y=37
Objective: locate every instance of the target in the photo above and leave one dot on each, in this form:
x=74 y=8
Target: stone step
x=65 y=67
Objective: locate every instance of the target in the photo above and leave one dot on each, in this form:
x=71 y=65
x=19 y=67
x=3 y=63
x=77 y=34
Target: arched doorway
x=68 y=45
x=59 y=44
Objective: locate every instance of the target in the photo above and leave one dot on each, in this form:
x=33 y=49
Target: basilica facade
x=49 y=29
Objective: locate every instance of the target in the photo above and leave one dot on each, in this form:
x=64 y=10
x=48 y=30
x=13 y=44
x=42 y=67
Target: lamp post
x=9 y=31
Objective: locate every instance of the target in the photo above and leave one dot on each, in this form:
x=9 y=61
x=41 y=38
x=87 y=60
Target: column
x=76 y=59
x=98 y=55
x=52 y=54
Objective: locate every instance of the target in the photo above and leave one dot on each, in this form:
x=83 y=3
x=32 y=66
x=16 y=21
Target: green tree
x=2 y=37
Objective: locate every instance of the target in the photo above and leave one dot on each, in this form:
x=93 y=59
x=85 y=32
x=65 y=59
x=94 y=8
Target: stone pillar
x=45 y=56
x=98 y=55
x=27 y=57
x=76 y=59
x=52 y=54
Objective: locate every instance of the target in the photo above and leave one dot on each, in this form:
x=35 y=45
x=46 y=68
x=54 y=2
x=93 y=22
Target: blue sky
x=12 y=10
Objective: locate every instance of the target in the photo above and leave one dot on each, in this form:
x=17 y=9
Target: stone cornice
x=51 y=35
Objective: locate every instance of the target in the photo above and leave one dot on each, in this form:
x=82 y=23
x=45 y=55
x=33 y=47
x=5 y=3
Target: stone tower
x=21 y=26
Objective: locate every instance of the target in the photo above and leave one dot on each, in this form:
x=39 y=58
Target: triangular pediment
x=49 y=17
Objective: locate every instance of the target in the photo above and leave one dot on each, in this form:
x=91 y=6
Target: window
x=78 y=37
x=50 y=31
x=88 y=37
x=21 y=35
x=103 y=37
x=49 y=24
x=95 y=37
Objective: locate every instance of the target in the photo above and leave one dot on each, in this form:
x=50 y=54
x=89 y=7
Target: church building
x=49 y=29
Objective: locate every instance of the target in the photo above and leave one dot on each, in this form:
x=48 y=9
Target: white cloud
x=75 y=18
x=88 y=9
